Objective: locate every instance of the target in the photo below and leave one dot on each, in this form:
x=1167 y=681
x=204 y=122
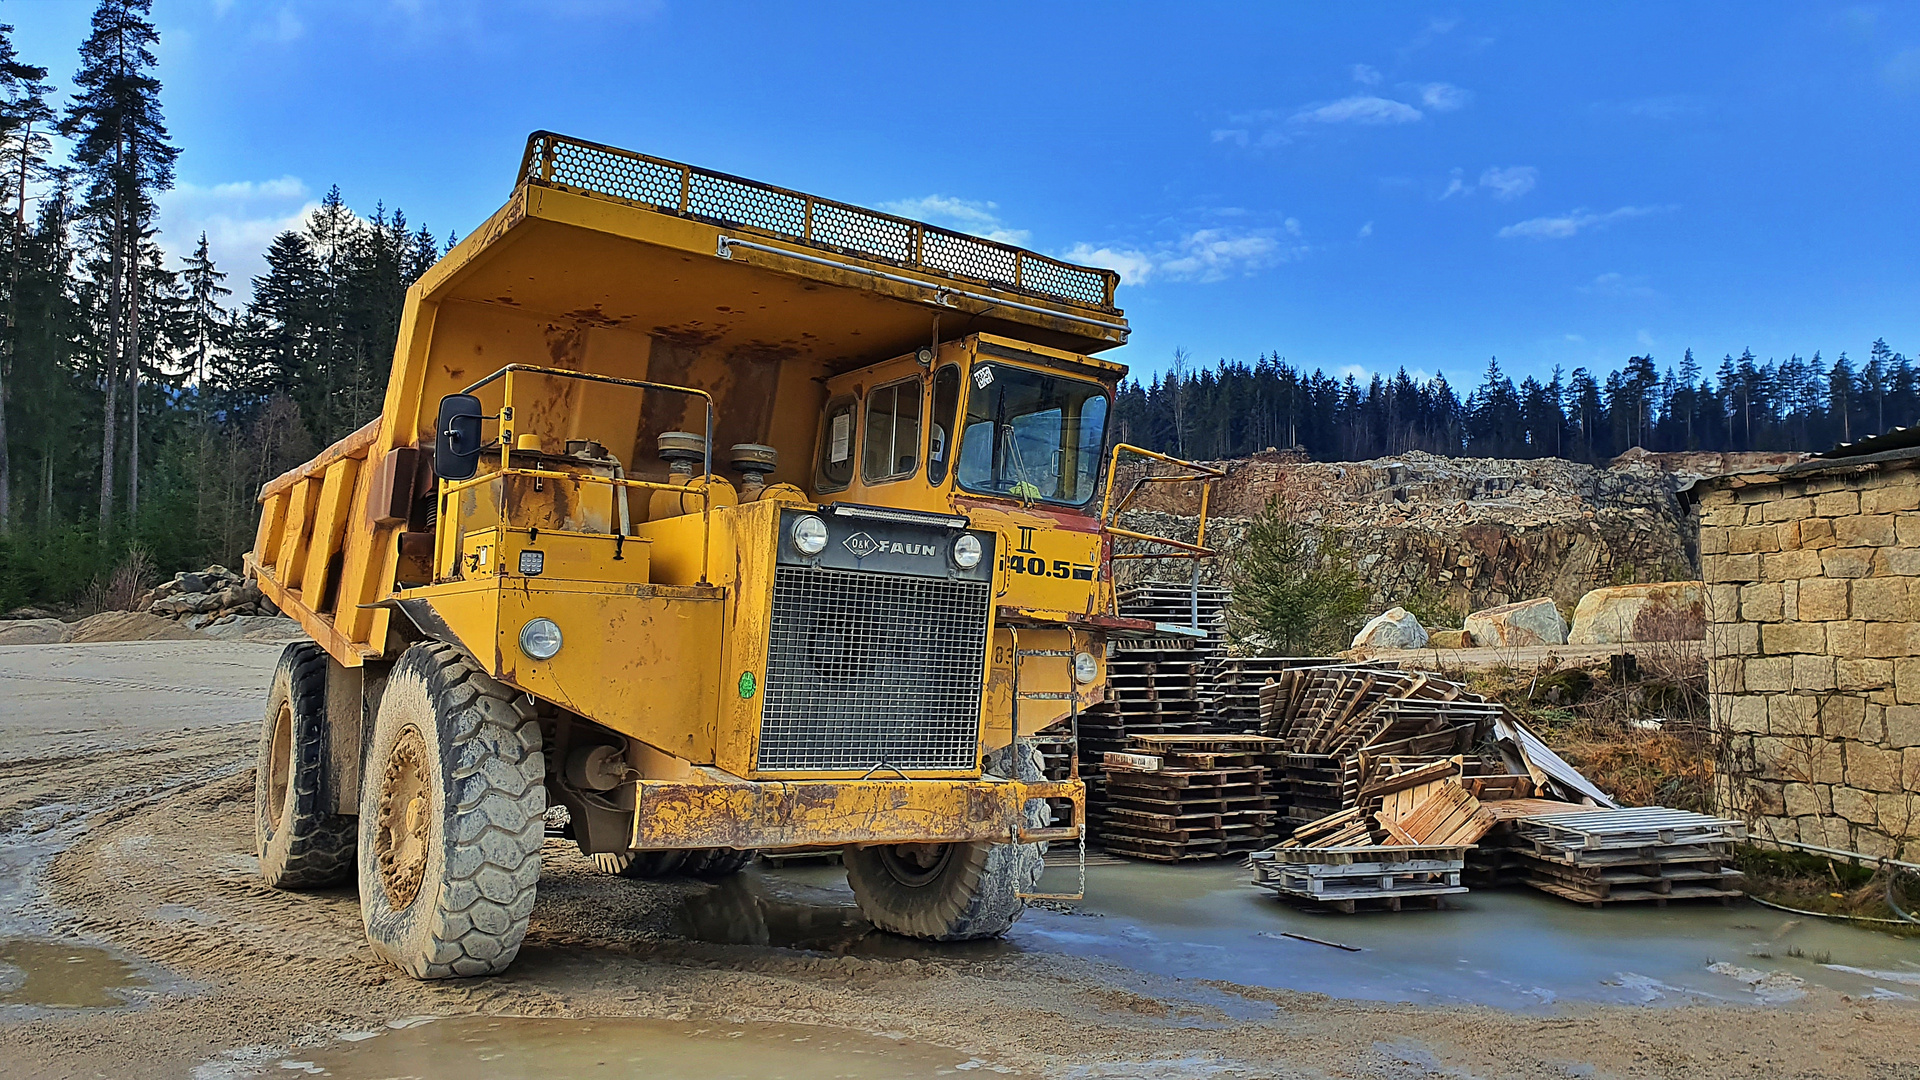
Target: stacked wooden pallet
x=1600 y=856
x=1344 y=878
x=1171 y=798
x=1231 y=688
x=1172 y=603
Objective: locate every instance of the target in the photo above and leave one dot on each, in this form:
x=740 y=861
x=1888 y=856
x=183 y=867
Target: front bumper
x=836 y=813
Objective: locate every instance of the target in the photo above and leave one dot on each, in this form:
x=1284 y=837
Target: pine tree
x=23 y=103
x=1293 y=588
x=121 y=144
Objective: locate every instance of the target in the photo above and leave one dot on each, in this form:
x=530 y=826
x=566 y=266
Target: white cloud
x=240 y=219
x=1618 y=284
x=1573 y=222
x=1444 y=97
x=1241 y=137
x=1456 y=184
x=1576 y=339
x=1365 y=231
x=1355 y=372
x=1362 y=109
x=1645 y=339
x=1205 y=255
x=1366 y=75
x=1510 y=183
x=964 y=215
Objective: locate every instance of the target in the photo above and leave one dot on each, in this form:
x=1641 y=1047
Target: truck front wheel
x=452 y=808
x=302 y=844
x=942 y=892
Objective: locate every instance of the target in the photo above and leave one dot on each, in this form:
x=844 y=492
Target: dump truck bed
x=617 y=263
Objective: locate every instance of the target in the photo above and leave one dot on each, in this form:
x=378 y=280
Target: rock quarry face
x=1396 y=629
x=1461 y=533
x=1533 y=622
x=1660 y=611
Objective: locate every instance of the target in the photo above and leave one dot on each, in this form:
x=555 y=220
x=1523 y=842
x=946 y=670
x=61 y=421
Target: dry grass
x=120 y=589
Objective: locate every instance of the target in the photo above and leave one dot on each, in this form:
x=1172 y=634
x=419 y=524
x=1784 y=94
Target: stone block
x=1902 y=726
x=1820 y=761
x=1776 y=759
x=1843 y=716
x=1890 y=639
x=1747 y=715
x=1872 y=768
x=1852 y=674
x=1719 y=509
x=1713 y=540
x=1887 y=500
x=1726 y=675
x=1769 y=674
x=1800 y=637
x=1751 y=538
x=1846 y=638
x=1898 y=813
x=1788 y=509
x=1906 y=680
x=1864 y=530
x=1785 y=565
x=1760 y=602
x=1827 y=830
x=1840 y=562
x=1803 y=799
x=1881 y=598
x=1898 y=561
x=1907 y=528
x=1820 y=599
x=1816 y=533
x=1793 y=714
x=1835 y=504
x=1874 y=844
x=1765 y=797
x=1854 y=805
x=1812 y=672
x=1731 y=567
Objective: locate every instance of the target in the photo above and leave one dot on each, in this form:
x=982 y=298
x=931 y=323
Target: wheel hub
x=406 y=820
x=279 y=767
x=915 y=865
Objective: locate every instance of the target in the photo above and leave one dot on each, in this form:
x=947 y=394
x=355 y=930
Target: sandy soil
x=156 y=862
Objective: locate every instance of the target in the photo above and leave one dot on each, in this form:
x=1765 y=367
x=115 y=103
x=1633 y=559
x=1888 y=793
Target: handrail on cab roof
x=672 y=187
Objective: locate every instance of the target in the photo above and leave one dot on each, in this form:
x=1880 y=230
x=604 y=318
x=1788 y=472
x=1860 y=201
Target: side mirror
x=456 y=438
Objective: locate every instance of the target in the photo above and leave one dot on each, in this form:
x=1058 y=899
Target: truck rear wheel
x=452 y=816
x=302 y=844
x=942 y=892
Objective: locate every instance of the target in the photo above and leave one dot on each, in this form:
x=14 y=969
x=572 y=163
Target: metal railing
x=1110 y=513
x=671 y=187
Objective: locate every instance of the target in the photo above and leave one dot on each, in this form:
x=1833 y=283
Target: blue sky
x=1346 y=185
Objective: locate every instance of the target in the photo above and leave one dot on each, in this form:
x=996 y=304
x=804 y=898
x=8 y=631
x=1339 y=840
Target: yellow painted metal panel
x=266 y=538
x=291 y=564
x=678 y=814
x=330 y=514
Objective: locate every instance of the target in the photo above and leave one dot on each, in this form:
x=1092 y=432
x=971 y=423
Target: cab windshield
x=1032 y=436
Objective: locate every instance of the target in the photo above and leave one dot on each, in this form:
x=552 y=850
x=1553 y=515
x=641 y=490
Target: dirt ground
x=133 y=831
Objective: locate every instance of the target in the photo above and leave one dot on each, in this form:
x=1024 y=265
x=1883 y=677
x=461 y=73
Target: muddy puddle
x=773 y=910
x=507 y=1048
x=61 y=975
x=1509 y=948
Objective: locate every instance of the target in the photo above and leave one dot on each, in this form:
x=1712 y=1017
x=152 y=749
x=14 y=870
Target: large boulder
x=260 y=628
x=1659 y=611
x=1531 y=622
x=33 y=632
x=1397 y=629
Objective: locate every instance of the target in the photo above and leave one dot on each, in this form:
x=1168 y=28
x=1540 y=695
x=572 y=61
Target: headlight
x=1085 y=670
x=809 y=534
x=540 y=638
x=966 y=551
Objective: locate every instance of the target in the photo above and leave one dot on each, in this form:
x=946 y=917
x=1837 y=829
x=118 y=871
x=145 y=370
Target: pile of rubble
x=1462 y=533
x=219 y=603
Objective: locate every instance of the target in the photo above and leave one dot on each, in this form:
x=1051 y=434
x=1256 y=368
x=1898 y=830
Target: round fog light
x=809 y=534
x=540 y=638
x=1084 y=668
x=966 y=551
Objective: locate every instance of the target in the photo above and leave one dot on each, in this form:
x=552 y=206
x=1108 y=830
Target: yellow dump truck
x=729 y=518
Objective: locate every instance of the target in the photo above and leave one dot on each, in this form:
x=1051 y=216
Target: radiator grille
x=869 y=668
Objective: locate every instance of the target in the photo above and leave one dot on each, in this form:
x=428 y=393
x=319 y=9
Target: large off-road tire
x=952 y=892
x=302 y=844
x=452 y=810
x=710 y=864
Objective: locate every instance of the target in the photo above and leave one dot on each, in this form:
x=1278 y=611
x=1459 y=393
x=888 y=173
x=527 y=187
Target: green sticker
x=746 y=684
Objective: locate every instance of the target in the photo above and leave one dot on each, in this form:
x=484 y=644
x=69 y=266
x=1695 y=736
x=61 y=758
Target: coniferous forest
x=141 y=406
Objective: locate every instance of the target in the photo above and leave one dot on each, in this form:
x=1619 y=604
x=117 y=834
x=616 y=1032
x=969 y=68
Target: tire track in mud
x=135 y=684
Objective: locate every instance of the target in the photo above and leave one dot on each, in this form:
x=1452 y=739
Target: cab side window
x=891 y=444
x=836 y=446
x=946 y=406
